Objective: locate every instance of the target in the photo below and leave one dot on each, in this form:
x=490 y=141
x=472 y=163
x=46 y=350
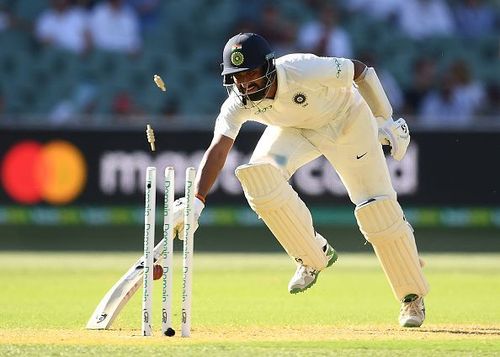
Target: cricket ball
x=170 y=332
x=157 y=272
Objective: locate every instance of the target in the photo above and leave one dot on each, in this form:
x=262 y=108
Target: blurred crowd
x=81 y=25
x=438 y=60
x=441 y=90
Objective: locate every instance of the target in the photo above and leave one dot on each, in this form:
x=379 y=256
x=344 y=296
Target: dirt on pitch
x=249 y=334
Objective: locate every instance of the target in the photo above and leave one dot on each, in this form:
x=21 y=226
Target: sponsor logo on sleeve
x=339 y=67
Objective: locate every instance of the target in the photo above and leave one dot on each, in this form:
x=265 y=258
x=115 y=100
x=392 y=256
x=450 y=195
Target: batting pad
x=286 y=215
x=383 y=224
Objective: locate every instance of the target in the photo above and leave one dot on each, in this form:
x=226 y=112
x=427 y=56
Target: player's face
x=250 y=82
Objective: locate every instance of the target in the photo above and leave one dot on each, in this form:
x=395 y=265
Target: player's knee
x=380 y=219
x=280 y=162
x=264 y=185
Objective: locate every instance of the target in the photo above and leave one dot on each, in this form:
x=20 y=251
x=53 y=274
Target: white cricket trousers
x=349 y=143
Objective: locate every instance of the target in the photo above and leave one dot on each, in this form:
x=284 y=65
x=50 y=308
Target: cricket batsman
x=312 y=106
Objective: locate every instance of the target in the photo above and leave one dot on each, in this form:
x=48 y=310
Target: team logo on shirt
x=300 y=99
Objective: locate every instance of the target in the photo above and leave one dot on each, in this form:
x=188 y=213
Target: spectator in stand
x=124 y=106
x=277 y=30
x=64 y=26
x=423 y=82
x=456 y=102
x=114 y=26
x=420 y=19
x=80 y=103
x=148 y=12
x=323 y=36
x=475 y=18
x=468 y=89
x=441 y=107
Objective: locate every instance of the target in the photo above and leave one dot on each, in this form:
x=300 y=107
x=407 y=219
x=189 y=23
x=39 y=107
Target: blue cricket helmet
x=243 y=52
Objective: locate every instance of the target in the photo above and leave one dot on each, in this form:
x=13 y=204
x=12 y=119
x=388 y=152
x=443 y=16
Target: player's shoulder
x=307 y=66
x=299 y=67
x=305 y=60
x=231 y=105
x=295 y=59
x=304 y=64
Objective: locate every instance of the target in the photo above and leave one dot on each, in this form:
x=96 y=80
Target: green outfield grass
x=241 y=307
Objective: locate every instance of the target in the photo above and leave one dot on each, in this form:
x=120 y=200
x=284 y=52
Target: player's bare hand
x=397 y=135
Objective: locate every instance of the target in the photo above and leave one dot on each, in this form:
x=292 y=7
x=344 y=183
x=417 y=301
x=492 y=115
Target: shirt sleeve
x=332 y=71
x=229 y=120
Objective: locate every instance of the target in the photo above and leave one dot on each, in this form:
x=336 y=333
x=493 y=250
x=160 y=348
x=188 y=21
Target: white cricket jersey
x=312 y=91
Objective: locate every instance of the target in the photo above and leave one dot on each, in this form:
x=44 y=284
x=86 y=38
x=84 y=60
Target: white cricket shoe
x=412 y=313
x=305 y=276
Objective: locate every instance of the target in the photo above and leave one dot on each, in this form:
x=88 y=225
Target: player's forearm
x=212 y=163
x=207 y=174
x=359 y=69
x=371 y=89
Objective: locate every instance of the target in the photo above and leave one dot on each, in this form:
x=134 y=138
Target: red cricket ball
x=157 y=272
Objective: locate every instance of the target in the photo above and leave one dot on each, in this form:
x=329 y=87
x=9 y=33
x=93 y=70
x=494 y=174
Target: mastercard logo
x=54 y=172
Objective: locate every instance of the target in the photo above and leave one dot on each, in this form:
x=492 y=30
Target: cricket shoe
x=412 y=313
x=305 y=276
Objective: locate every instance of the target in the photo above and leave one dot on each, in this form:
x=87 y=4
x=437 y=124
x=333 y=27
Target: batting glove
x=397 y=135
x=179 y=205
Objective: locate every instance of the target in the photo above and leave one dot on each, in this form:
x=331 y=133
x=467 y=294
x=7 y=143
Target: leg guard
x=286 y=215
x=383 y=224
